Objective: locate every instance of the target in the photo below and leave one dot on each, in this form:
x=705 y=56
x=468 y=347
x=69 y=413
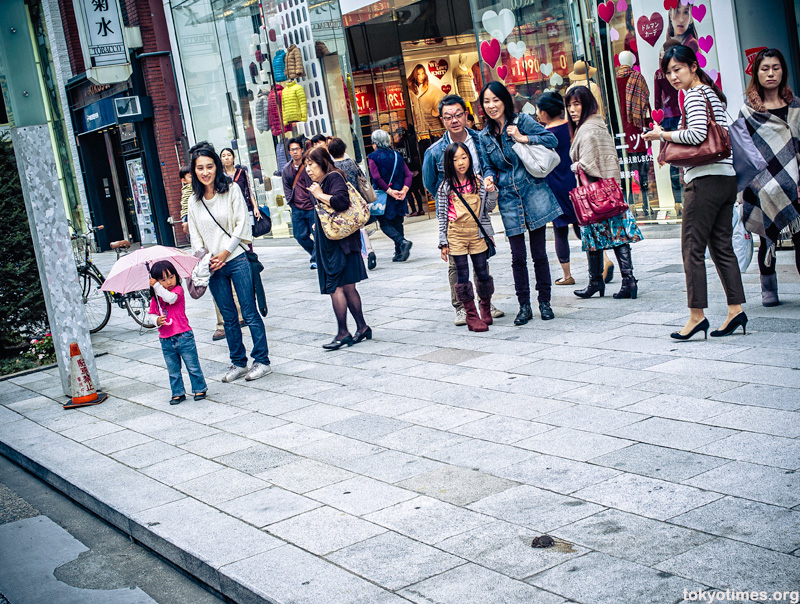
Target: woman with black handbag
x=702 y=147
x=339 y=262
x=594 y=154
x=218 y=221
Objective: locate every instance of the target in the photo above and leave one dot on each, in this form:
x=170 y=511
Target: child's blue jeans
x=175 y=348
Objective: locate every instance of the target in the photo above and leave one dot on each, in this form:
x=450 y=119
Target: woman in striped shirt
x=708 y=198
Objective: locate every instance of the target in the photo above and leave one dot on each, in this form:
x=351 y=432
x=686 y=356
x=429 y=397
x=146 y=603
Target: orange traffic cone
x=83 y=391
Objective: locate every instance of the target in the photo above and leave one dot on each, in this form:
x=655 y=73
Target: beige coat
x=594 y=148
x=425 y=109
x=294 y=63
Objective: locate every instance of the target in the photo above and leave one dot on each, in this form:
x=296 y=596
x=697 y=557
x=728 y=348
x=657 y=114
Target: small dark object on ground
x=543 y=541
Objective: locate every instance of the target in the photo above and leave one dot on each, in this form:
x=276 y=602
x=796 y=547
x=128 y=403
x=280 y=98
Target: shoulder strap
x=394 y=167
x=236 y=175
x=469 y=209
x=300 y=170
x=218 y=224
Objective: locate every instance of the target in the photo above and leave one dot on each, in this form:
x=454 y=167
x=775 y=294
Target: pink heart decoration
x=701 y=60
x=685 y=2
x=712 y=73
x=447 y=88
x=705 y=43
x=606 y=10
x=650 y=151
x=650 y=29
x=613 y=34
x=502 y=71
x=637 y=68
x=657 y=115
x=490 y=51
x=699 y=12
x=622 y=6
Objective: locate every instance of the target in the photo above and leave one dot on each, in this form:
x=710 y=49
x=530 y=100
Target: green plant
x=42 y=350
x=23 y=315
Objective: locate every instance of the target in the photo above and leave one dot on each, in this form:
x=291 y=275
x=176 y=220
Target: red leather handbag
x=597 y=201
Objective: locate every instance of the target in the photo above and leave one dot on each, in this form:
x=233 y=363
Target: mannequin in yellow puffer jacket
x=294 y=103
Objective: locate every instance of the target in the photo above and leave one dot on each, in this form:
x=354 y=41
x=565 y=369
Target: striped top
x=694 y=108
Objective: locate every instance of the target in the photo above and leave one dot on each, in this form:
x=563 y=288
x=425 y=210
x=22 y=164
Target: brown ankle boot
x=485 y=291
x=466 y=296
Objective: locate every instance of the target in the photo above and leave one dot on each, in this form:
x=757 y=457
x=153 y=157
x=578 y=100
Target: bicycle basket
x=79 y=249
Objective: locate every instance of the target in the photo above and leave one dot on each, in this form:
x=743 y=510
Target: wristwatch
x=661 y=136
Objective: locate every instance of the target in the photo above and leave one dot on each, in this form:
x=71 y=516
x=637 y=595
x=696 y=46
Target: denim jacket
x=433 y=163
x=525 y=202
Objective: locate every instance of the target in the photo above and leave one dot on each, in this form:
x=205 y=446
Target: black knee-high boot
x=629 y=288
x=596 y=283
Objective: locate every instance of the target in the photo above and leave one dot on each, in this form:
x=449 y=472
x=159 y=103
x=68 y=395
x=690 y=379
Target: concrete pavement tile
x=428 y=520
x=590 y=418
x=276 y=404
x=298 y=577
x=574 y=353
x=757 y=448
x=147 y=454
x=557 y=474
x=534 y=508
x=767 y=526
x=367 y=427
x=267 y=506
x=499 y=429
x=631 y=537
x=462 y=584
x=573 y=444
x=630 y=360
x=451 y=356
x=542 y=386
x=304 y=475
x=602 y=579
x=505 y=361
x=459 y=486
x=90 y=431
x=318 y=415
x=506 y=548
x=391 y=466
x=759 y=483
x=618 y=377
x=686 y=408
x=762 y=395
x=480 y=455
x=337 y=450
x=659 y=462
x=180 y=469
x=760 y=419
x=168 y=428
x=360 y=495
x=646 y=496
x=343 y=396
x=676 y=434
x=376 y=559
x=726 y=564
x=388 y=405
x=419 y=440
x=518 y=406
x=248 y=424
x=324 y=530
x=684 y=385
x=66 y=421
x=290 y=435
x=603 y=396
x=440 y=417
x=222 y=486
x=117 y=441
x=483 y=378
x=551 y=368
x=256 y=459
x=217 y=444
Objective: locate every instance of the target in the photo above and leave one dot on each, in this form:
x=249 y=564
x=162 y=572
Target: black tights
x=541 y=266
x=343 y=298
x=762 y=254
x=478 y=263
x=562 y=245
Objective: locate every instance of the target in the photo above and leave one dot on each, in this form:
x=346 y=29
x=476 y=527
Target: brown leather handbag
x=597 y=201
x=715 y=147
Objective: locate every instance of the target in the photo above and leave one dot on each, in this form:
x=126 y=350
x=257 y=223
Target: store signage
x=95 y=116
x=750 y=54
x=650 y=28
x=438 y=68
x=390 y=96
x=365 y=99
x=102 y=32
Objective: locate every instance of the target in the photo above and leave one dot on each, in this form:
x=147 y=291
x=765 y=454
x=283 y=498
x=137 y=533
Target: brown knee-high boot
x=485 y=292
x=466 y=296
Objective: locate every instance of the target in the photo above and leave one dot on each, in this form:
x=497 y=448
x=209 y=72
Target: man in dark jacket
x=295 y=192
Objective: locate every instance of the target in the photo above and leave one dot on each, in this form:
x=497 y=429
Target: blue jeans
x=175 y=348
x=236 y=274
x=302 y=227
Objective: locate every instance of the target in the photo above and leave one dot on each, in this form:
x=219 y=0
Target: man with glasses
x=453 y=112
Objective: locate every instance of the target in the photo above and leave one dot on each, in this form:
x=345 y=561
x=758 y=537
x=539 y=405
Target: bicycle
x=97 y=303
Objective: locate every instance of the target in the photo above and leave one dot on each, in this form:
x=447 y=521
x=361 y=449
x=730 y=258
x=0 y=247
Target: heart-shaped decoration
x=685 y=2
x=650 y=151
x=701 y=60
x=605 y=10
x=668 y=4
x=650 y=29
x=502 y=72
x=713 y=74
x=699 y=12
x=438 y=68
x=622 y=6
x=549 y=89
x=490 y=51
x=516 y=49
x=613 y=34
x=637 y=68
x=498 y=25
x=529 y=109
x=446 y=88
x=546 y=69
x=556 y=80
x=705 y=43
x=657 y=115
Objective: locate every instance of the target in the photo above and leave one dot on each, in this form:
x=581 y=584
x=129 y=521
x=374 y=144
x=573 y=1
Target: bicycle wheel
x=138 y=303
x=96 y=303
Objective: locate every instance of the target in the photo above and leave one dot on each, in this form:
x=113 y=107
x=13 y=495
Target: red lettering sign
x=751 y=53
x=390 y=96
x=365 y=99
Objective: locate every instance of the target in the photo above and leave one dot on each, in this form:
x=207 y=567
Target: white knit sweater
x=230 y=211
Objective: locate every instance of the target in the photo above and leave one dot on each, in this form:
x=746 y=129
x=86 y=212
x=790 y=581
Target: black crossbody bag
x=491 y=249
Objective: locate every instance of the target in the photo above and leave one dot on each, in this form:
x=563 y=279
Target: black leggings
x=762 y=254
x=478 y=263
x=562 y=245
x=541 y=266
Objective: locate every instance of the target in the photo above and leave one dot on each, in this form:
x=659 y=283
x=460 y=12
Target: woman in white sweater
x=708 y=197
x=218 y=221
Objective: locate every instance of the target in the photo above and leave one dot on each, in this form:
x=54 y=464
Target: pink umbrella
x=132 y=272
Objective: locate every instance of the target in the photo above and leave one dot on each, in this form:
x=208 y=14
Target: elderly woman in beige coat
x=593 y=150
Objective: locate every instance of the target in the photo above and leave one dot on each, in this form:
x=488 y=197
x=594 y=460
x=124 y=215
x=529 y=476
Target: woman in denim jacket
x=526 y=203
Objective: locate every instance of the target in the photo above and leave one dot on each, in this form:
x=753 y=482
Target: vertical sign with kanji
x=102 y=29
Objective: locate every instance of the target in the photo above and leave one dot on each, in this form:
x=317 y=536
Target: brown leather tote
x=717 y=145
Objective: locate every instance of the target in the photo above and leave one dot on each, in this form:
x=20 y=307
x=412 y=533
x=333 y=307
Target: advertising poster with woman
x=428 y=81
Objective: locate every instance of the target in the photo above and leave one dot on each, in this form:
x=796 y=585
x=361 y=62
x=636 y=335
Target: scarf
x=637 y=97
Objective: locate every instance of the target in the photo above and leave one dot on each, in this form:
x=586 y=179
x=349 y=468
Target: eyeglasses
x=453 y=117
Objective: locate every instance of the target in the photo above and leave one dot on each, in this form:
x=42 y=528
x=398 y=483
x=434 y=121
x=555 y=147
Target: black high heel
x=701 y=326
x=363 y=335
x=337 y=344
x=740 y=319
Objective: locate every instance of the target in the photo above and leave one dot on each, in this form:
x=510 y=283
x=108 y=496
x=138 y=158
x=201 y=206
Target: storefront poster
x=141 y=202
x=365 y=99
x=390 y=96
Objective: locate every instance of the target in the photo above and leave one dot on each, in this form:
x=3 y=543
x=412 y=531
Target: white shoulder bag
x=538 y=160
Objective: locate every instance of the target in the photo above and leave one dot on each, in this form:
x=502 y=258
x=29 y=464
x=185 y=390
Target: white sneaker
x=234 y=373
x=497 y=313
x=258 y=371
x=461 y=317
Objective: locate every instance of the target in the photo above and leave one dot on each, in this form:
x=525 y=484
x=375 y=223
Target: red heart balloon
x=502 y=71
x=490 y=51
x=606 y=10
x=657 y=115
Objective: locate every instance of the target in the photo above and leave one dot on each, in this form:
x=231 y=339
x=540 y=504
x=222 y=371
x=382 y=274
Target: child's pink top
x=175 y=311
x=451 y=209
